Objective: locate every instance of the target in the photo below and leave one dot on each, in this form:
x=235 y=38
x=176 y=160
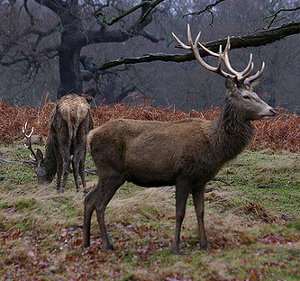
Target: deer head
x=37 y=158
x=239 y=84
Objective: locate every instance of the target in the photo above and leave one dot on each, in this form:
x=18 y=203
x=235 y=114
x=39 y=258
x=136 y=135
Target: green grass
x=272 y=180
x=252 y=220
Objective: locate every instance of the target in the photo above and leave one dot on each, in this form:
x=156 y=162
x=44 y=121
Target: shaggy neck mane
x=231 y=133
x=50 y=159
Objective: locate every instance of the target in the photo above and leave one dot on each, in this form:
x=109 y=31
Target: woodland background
x=29 y=61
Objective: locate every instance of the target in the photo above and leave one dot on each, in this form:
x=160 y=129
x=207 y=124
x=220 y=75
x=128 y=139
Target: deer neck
x=231 y=133
x=50 y=161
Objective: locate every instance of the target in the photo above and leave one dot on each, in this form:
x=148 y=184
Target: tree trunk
x=69 y=51
x=109 y=89
x=69 y=69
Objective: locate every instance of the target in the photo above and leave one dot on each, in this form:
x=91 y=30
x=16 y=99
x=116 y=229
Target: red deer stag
x=185 y=153
x=69 y=125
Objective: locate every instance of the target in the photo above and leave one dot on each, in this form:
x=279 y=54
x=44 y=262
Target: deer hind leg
x=89 y=207
x=198 y=199
x=59 y=169
x=59 y=174
x=98 y=199
x=64 y=145
x=82 y=171
x=182 y=192
x=65 y=152
x=75 y=167
x=65 y=172
x=106 y=192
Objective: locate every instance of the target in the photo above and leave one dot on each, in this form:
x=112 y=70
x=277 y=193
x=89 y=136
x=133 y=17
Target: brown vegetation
x=279 y=133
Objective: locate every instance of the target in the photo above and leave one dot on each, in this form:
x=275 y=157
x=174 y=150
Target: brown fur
x=185 y=153
x=73 y=110
x=69 y=124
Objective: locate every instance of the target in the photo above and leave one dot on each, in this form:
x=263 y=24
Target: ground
x=252 y=220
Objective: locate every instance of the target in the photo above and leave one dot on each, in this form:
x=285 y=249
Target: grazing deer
x=185 y=153
x=69 y=125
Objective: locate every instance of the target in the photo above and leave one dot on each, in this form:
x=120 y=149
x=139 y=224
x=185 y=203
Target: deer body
x=69 y=124
x=151 y=153
x=185 y=153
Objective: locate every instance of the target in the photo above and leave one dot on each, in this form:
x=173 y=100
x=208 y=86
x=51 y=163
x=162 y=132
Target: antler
x=241 y=76
x=256 y=75
x=28 y=139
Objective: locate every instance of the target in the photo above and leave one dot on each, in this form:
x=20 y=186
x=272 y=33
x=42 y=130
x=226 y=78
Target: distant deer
x=69 y=125
x=185 y=153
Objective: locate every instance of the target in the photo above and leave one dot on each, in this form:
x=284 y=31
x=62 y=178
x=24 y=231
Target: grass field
x=252 y=220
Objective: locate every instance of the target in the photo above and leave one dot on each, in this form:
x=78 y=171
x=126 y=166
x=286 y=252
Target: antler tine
x=209 y=51
x=196 y=52
x=184 y=46
x=227 y=61
x=25 y=129
x=240 y=75
x=248 y=69
x=216 y=69
x=221 y=58
x=256 y=75
x=189 y=35
x=194 y=46
x=28 y=139
x=191 y=44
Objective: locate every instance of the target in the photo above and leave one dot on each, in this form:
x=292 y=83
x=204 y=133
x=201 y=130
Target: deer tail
x=70 y=127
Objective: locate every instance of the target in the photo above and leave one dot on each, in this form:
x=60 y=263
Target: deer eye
x=246 y=97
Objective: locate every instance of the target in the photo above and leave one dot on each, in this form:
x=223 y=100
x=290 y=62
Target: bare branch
x=253 y=40
x=57 y=6
x=148 y=5
x=28 y=12
x=152 y=6
x=43 y=34
x=31 y=59
x=208 y=8
x=123 y=15
x=103 y=35
x=274 y=16
x=28 y=53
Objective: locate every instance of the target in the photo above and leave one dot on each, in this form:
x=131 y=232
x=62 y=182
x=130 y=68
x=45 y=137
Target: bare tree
x=30 y=44
x=74 y=33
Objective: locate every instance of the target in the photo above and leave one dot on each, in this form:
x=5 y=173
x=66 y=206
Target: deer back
x=73 y=110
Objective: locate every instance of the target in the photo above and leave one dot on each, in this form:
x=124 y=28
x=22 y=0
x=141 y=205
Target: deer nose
x=273 y=111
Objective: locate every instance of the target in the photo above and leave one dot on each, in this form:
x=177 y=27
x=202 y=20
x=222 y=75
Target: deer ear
x=39 y=156
x=230 y=84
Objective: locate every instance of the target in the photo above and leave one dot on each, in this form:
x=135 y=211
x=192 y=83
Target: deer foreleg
x=105 y=193
x=198 y=199
x=182 y=192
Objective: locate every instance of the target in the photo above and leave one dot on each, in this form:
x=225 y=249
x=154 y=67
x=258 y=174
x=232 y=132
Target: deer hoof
x=109 y=247
x=175 y=250
x=203 y=246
